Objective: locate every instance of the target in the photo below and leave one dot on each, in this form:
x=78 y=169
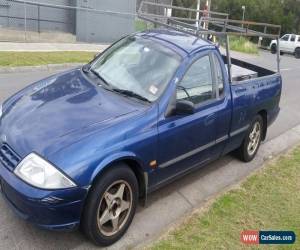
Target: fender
x=107 y=162
x=114 y=158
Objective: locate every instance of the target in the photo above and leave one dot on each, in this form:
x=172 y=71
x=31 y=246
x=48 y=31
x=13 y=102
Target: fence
x=66 y=20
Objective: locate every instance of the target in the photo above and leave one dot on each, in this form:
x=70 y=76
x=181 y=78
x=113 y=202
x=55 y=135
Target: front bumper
x=50 y=209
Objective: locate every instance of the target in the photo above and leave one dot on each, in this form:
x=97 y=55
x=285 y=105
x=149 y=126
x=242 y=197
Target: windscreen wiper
x=131 y=94
x=99 y=76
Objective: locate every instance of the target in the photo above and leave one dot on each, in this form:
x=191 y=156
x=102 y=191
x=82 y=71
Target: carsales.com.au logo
x=268 y=237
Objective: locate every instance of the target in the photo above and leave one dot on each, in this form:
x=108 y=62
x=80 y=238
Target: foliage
x=242 y=44
x=141 y=25
x=187 y=4
x=284 y=12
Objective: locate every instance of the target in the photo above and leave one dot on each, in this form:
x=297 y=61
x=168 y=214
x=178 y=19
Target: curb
x=47 y=67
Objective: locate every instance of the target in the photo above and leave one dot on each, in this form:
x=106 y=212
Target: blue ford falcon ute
x=82 y=147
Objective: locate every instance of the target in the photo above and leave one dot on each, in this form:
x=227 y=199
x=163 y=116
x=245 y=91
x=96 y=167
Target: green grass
x=141 y=25
x=242 y=44
x=14 y=59
x=268 y=200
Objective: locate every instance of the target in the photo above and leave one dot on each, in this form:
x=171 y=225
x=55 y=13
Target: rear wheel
x=252 y=141
x=273 y=48
x=297 y=53
x=111 y=206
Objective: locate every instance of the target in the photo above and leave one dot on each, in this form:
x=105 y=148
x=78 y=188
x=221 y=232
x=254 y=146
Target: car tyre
x=252 y=140
x=110 y=205
x=297 y=53
x=273 y=48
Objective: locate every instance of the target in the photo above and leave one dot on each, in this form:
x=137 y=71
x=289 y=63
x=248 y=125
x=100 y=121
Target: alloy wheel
x=254 y=137
x=114 y=208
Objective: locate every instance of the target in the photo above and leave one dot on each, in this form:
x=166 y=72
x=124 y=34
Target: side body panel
x=191 y=141
x=261 y=95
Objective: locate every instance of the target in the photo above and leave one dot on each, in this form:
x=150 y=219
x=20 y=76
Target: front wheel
x=273 y=49
x=252 y=141
x=111 y=205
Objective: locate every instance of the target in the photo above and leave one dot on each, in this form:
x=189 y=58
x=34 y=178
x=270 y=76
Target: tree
x=283 y=12
x=187 y=4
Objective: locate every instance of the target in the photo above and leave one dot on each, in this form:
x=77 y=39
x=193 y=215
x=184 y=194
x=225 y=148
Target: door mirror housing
x=184 y=107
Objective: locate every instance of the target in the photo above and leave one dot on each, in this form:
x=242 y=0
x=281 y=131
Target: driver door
x=188 y=140
x=283 y=43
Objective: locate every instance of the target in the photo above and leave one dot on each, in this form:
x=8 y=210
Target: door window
x=285 y=38
x=218 y=75
x=293 y=38
x=197 y=84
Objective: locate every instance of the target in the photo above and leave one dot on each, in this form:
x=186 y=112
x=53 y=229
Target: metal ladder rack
x=215 y=23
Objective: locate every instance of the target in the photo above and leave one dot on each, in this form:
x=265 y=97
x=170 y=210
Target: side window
x=293 y=38
x=197 y=85
x=298 y=38
x=219 y=75
x=285 y=38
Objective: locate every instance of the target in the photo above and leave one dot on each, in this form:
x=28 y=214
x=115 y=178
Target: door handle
x=210 y=119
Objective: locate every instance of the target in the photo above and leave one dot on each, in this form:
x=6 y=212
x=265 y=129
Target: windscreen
x=139 y=65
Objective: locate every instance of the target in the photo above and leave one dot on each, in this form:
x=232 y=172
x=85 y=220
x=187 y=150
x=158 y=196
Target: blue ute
x=81 y=147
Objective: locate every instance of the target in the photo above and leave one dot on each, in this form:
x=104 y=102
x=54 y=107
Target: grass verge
x=141 y=25
x=14 y=59
x=242 y=44
x=268 y=200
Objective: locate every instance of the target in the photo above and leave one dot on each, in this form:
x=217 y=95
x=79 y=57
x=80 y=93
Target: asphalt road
x=171 y=202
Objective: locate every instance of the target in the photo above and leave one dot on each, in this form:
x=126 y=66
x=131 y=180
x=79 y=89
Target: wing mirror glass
x=184 y=107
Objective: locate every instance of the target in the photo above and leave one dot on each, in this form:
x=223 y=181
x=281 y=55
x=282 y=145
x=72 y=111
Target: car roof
x=182 y=41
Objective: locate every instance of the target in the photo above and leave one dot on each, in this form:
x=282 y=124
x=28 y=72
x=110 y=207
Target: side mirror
x=184 y=107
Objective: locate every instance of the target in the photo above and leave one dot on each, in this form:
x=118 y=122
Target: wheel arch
x=295 y=52
x=133 y=162
x=273 y=47
x=264 y=114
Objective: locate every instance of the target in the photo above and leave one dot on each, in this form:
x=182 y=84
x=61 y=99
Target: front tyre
x=111 y=205
x=273 y=48
x=252 y=141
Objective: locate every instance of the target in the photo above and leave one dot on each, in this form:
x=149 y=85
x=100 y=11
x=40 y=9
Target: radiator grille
x=8 y=157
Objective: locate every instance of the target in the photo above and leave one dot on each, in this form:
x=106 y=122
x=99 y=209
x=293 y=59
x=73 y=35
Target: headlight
x=40 y=173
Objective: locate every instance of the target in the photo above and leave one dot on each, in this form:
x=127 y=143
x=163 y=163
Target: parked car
x=83 y=146
x=289 y=43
